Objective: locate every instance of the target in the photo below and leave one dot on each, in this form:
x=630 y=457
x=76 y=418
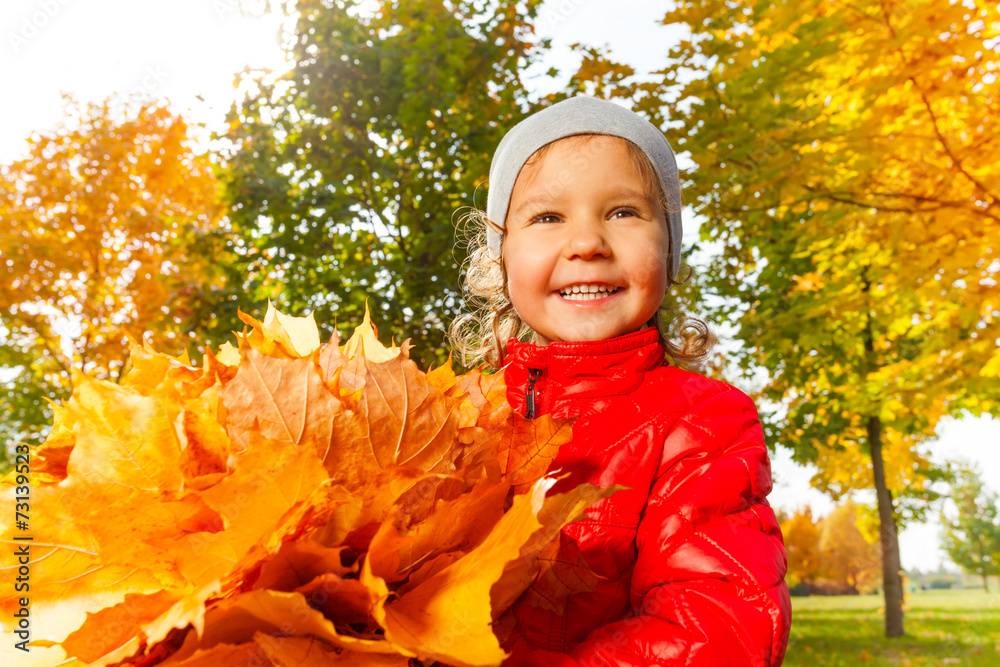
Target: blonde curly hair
x=482 y=335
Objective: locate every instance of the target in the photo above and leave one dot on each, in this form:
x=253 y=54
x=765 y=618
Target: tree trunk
x=986 y=583
x=892 y=580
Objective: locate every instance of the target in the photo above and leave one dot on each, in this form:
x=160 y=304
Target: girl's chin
x=583 y=334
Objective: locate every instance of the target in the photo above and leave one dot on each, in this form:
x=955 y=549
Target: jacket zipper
x=530 y=396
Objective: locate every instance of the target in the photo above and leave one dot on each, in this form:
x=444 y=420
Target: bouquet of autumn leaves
x=290 y=503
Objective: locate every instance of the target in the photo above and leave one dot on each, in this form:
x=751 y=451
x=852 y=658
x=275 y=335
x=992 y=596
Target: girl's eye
x=625 y=209
x=544 y=217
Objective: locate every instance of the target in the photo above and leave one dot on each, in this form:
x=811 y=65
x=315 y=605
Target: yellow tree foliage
x=104 y=223
x=801 y=534
x=847 y=159
x=288 y=503
x=832 y=553
x=842 y=470
x=845 y=164
x=847 y=558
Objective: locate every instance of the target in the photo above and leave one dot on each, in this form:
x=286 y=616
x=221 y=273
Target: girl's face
x=585 y=246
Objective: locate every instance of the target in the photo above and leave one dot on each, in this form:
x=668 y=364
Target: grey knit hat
x=581 y=115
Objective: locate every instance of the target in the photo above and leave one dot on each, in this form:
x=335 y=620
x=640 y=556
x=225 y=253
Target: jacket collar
x=587 y=369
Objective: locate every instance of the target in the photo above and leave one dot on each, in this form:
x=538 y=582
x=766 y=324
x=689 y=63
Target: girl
x=583 y=240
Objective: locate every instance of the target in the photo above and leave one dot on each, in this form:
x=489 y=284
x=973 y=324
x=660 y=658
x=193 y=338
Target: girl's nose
x=587 y=241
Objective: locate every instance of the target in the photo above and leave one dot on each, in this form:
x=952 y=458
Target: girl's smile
x=586 y=246
x=588 y=292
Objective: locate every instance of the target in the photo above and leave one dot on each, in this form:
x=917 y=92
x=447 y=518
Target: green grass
x=943 y=627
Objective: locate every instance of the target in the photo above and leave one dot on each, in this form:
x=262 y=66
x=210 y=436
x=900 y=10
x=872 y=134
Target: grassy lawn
x=943 y=627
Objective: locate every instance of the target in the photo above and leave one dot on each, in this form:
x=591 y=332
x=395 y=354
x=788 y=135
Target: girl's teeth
x=587 y=292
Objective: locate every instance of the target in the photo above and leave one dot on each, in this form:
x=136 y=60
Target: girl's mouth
x=587 y=292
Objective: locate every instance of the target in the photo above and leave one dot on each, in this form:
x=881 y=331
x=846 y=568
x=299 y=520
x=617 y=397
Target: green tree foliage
x=106 y=229
x=845 y=169
x=346 y=174
x=971 y=538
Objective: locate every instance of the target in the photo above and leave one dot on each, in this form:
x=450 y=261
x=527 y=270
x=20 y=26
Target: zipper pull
x=529 y=411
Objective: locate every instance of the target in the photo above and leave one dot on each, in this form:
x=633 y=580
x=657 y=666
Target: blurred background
x=163 y=164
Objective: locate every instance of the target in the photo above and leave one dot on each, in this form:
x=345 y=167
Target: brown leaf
x=410 y=422
x=297 y=563
x=283 y=399
x=488 y=393
x=227 y=655
x=206 y=446
x=455 y=524
x=563 y=572
x=448 y=616
x=49 y=462
x=346 y=602
x=331 y=359
x=529 y=447
x=555 y=512
x=400 y=420
x=236 y=619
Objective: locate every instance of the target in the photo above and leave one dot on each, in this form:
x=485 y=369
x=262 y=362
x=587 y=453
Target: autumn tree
x=971 y=537
x=801 y=534
x=844 y=171
x=348 y=173
x=831 y=553
x=846 y=558
x=106 y=228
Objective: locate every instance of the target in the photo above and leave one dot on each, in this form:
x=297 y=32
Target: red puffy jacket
x=690 y=558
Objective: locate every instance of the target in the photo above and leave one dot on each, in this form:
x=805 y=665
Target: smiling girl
x=582 y=241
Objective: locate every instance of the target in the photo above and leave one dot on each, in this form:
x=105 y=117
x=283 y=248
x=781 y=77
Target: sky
x=189 y=51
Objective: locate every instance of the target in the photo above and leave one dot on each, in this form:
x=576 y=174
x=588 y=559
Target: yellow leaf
x=992 y=367
x=114 y=633
x=282 y=335
x=229 y=355
x=123 y=437
x=364 y=343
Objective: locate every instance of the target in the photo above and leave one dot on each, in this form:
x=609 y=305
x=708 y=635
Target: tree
x=847 y=559
x=971 y=538
x=801 y=534
x=106 y=229
x=844 y=166
x=346 y=173
x=831 y=553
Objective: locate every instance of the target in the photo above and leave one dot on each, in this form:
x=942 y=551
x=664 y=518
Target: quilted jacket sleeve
x=708 y=586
